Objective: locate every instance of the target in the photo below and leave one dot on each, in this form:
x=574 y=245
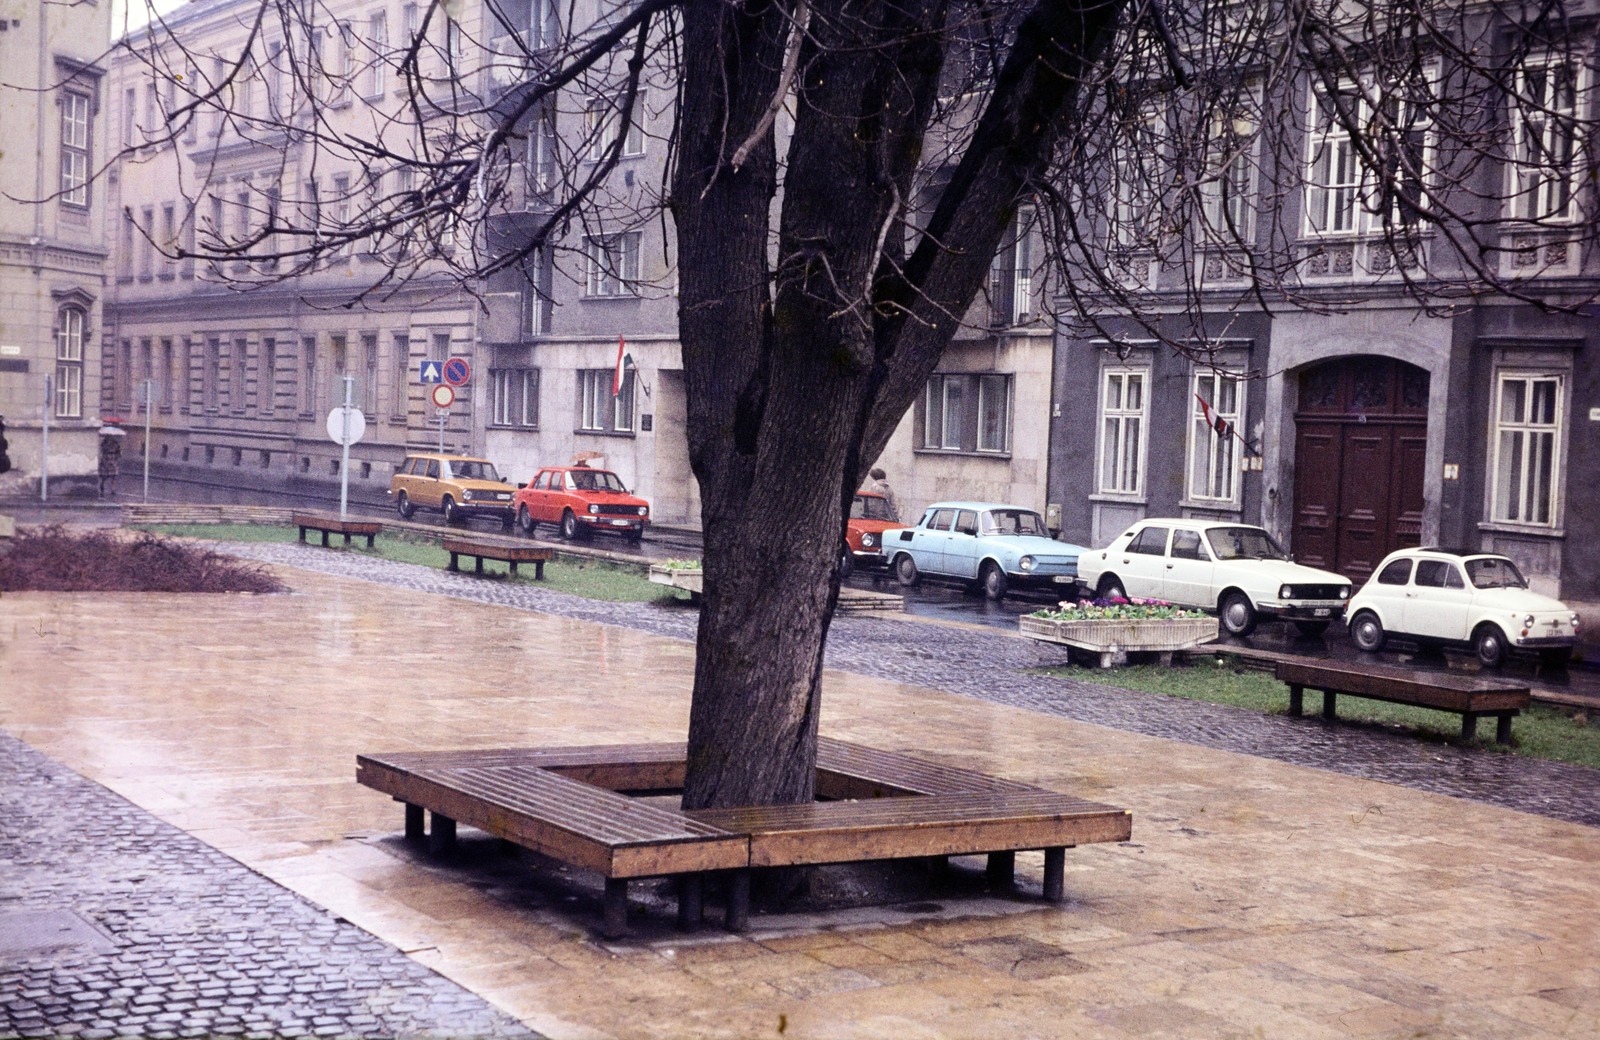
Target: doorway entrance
x=1361 y=434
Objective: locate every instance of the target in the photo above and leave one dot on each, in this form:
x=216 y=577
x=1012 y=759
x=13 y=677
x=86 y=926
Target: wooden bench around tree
x=1468 y=697
x=333 y=525
x=505 y=553
x=577 y=805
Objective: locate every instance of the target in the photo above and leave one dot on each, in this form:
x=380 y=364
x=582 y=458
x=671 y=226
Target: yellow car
x=458 y=486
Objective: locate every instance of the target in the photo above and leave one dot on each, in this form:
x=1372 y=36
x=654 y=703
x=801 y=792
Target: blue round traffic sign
x=457 y=371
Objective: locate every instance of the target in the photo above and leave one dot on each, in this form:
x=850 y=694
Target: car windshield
x=871 y=507
x=1244 y=543
x=471 y=469
x=1495 y=572
x=1014 y=521
x=594 y=480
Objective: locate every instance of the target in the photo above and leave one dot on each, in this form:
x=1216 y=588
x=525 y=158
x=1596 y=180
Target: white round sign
x=444 y=395
x=337 y=424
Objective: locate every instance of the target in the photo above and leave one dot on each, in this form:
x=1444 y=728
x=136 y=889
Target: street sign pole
x=344 y=466
x=44 y=448
x=443 y=415
x=149 y=399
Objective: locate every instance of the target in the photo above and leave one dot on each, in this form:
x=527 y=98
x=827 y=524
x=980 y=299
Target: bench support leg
x=1002 y=871
x=691 y=902
x=737 y=916
x=347 y=539
x=1330 y=701
x=370 y=537
x=1055 y=874
x=1297 y=700
x=479 y=568
x=1469 y=725
x=1502 y=729
x=538 y=570
x=302 y=534
x=325 y=534
x=442 y=835
x=616 y=925
x=453 y=567
x=1105 y=660
x=414 y=827
x=513 y=567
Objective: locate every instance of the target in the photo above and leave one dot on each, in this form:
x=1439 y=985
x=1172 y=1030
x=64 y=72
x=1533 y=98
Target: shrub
x=51 y=559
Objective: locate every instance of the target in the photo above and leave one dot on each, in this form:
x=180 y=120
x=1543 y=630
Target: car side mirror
x=521 y=486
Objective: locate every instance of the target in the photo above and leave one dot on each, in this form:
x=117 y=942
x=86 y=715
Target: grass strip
x=1552 y=733
x=591 y=579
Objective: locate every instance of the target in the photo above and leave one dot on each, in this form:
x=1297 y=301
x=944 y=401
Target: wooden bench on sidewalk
x=1467 y=697
x=333 y=525
x=574 y=804
x=505 y=553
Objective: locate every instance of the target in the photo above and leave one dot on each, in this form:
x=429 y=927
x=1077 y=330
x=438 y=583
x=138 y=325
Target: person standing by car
x=880 y=486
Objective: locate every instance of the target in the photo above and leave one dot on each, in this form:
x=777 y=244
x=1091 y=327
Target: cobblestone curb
x=191 y=943
x=992 y=666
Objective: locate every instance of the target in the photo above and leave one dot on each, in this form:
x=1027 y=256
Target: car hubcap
x=1236 y=614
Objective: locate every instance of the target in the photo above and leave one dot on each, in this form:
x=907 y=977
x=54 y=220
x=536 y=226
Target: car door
x=1142 y=565
x=539 y=498
x=1437 y=601
x=427 y=492
x=1189 y=570
x=1388 y=592
x=961 y=546
x=927 y=548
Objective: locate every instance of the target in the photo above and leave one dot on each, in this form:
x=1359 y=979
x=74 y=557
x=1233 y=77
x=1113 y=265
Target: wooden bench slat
x=1467 y=697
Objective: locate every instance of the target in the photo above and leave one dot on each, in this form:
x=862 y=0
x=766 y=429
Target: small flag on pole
x=624 y=362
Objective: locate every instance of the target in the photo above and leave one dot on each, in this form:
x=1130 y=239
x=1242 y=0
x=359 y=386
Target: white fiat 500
x=1235 y=569
x=1450 y=596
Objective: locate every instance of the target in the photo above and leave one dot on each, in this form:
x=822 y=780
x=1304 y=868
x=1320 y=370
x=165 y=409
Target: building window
x=1136 y=187
x=267 y=377
x=544 y=171
x=237 y=377
x=1213 y=446
x=166 y=375
x=994 y=413
x=1011 y=274
x=514 y=396
x=1335 y=176
x=1229 y=189
x=622 y=403
x=402 y=373
x=69 y=363
x=599 y=410
x=308 y=364
x=1123 y=408
x=75 y=148
x=210 y=376
x=1545 y=141
x=612 y=263
x=369 y=389
x=603 y=121
x=942 y=412
x=1527 y=435
x=378 y=42
x=967 y=413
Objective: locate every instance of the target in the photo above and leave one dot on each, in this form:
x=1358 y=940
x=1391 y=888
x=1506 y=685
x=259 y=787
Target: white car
x=1235 y=569
x=1451 y=596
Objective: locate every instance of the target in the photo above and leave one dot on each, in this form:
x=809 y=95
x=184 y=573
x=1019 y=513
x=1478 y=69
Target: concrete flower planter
x=692 y=581
x=1113 y=638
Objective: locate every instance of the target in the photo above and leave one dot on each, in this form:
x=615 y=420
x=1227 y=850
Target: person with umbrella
x=111 y=435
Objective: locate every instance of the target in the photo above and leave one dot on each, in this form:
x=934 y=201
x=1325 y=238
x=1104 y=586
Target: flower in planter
x=682 y=565
x=1116 y=610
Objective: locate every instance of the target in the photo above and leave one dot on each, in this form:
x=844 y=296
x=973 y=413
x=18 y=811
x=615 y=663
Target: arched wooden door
x=1360 y=442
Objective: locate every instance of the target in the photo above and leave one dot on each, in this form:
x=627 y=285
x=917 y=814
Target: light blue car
x=995 y=545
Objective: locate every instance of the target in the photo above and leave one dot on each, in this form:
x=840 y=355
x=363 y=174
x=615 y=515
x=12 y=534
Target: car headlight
x=1286 y=592
x=1527 y=622
x=1026 y=563
x=466 y=496
x=1344 y=592
x=644 y=510
x=593 y=508
x=1575 y=621
x=868 y=540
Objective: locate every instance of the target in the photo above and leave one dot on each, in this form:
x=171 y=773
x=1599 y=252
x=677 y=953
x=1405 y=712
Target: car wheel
x=635 y=536
x=452 y=515
x=1110 y=588
x=994 y=582
x=508 y=519
x=905 y=569
x=1367 y=633
x=1489 y=643
x=402 y=502
x=526 y=521
x=569 y=526
x=1238 y=614
x=847 y=564
x=1311 y=629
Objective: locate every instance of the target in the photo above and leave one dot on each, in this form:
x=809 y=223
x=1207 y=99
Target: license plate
x=619 y=523
x=1321 y=612
x=1064 y=579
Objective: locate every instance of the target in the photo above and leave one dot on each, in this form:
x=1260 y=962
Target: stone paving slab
x=173 y=938
x=991 y=666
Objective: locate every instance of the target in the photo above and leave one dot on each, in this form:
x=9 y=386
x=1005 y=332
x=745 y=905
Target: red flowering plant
x=1117 y=609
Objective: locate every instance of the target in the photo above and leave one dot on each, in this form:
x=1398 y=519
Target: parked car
x=1237 y=570
x=996 y=545
x=870 y=516
x=1459 y=597
x=580 y=500
x=458 y=486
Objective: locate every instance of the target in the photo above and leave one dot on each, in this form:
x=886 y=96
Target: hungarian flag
x=624 y=362
x=1216 y=422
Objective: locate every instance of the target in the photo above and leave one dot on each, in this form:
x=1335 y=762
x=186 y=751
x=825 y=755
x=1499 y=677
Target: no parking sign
x=457 y=371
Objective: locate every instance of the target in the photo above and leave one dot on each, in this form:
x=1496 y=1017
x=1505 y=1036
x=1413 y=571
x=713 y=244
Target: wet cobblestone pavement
x=156 y=934
x=992 y=667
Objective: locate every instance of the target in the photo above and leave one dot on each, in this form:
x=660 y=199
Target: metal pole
x=344 y=467
x=44 y=457
x=149 y=396
x=444 y=413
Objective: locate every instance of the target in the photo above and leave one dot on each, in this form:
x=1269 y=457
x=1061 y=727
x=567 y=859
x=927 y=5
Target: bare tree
x=843 y=174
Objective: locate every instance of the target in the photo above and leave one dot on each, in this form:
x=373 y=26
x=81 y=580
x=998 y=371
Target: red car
x=580 y=501
x=870 y=516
